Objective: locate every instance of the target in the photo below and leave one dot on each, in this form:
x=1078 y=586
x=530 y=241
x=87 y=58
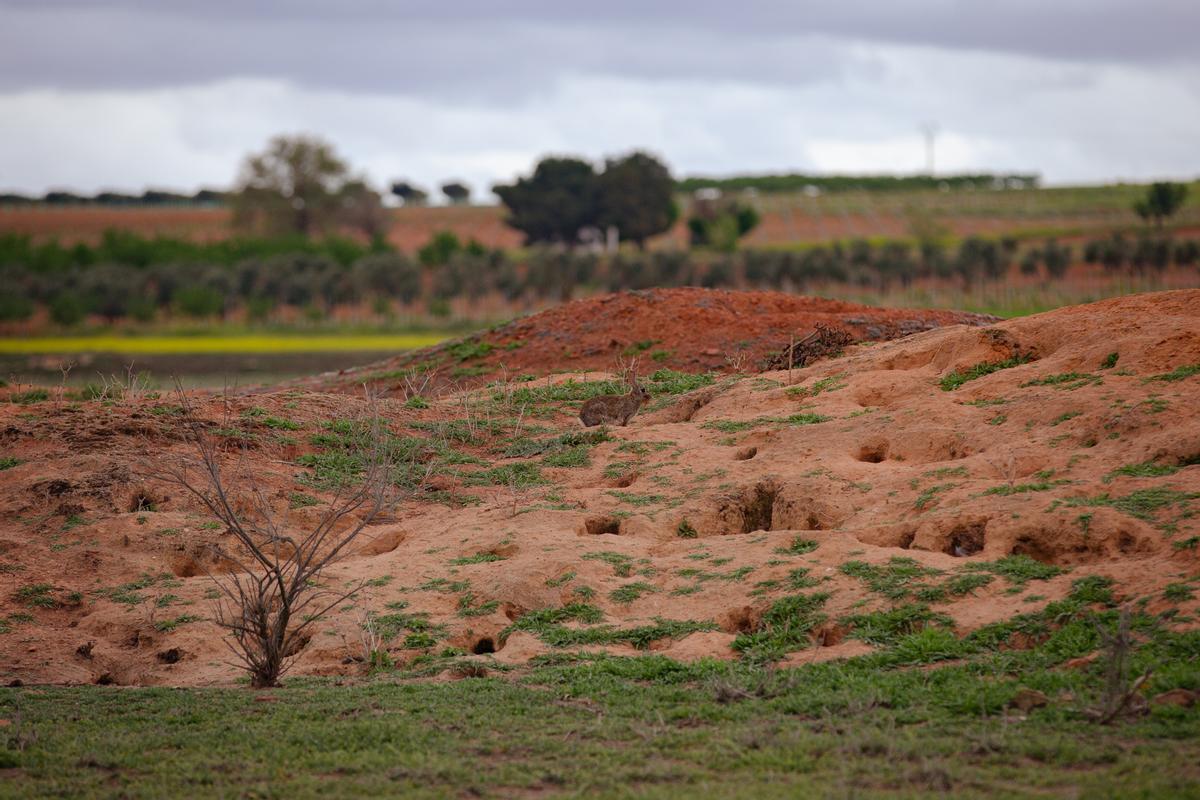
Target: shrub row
x=128 y=277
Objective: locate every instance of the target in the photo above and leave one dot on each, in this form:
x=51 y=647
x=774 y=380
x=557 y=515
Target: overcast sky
x=124 y=94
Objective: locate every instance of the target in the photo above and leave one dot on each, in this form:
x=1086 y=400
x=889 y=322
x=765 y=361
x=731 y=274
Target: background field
x=788 y=218
x=332 y=294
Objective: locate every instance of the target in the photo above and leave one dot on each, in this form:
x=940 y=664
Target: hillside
x=689 y=329
x=828 y=512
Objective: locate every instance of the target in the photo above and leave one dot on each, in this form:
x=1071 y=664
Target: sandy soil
x=900 y=468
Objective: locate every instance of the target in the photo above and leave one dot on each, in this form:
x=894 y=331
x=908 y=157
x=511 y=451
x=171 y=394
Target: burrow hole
x=758 y=508
x=966 y=541
x=603 y=525
x=873 y=453
x=144 y=500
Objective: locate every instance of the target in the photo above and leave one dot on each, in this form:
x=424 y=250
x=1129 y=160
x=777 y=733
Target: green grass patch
x=895 y=580
x=635 y=499
x=957 y=378
x=467 y=607
x=890 y=626
x=1066 y=380
x=1018 y=569
x=169 y=625
x=622 y=564
x=571 y=457
x=521 y=475
x=630 y=592
x=798 y=547
x=735 y=426
x=527 y=447
x=1143 y=503
x=929 y=495
x=1177 y=374
x=786 y=627
x=482 y=557
x=29 y=397
x=301 y=500
x=1147 y=469
x=1008 y=489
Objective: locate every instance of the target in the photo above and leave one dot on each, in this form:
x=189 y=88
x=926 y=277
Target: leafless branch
x=275 y=595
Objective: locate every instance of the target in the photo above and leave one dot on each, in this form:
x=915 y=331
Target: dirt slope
x=710 y=509
x=689 y=329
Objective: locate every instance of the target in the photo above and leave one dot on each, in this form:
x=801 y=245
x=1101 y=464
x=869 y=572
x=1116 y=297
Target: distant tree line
x=458 y=192
x=150 y=197
x=126 y=276
x=799 y=182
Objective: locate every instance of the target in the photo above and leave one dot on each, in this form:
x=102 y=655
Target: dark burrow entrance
x=596 y=526
x=484 y=645
x=873 y=453
x=758 y=508
x=966 y=540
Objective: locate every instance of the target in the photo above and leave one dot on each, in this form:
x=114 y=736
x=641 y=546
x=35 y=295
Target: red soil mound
x=686 y=329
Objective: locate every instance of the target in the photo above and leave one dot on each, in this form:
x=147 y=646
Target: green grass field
x=610 y=728
x=926 y=715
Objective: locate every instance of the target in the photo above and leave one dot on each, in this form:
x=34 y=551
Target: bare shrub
x=1121 y=695
x=824 y=342
x=275 y=594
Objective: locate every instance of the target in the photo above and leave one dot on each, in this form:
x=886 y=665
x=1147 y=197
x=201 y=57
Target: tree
x=362 y=209
x=554 y=203
x=719 y=224
x=1162 y=200
x=440 y=248
x=297 y=185
x=637 y=196
x=457 y=193
x=409 y=194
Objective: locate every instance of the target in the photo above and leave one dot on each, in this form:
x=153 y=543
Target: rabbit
x=615 y=409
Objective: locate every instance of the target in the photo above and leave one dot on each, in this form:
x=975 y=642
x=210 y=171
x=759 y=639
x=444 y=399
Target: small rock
x=1026 y=700
x=1183 y=698
x=712 y=351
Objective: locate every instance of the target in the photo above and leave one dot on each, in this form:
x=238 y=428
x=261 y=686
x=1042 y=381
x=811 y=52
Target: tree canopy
x=456 y=192
x=554 y=203
x=637 y=196
x=1161 y=202
x=410 y=194
x=300 y=185
x=633 y=193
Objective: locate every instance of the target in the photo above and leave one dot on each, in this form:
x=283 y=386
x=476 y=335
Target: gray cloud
x=122 y=93
x=508 y=51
